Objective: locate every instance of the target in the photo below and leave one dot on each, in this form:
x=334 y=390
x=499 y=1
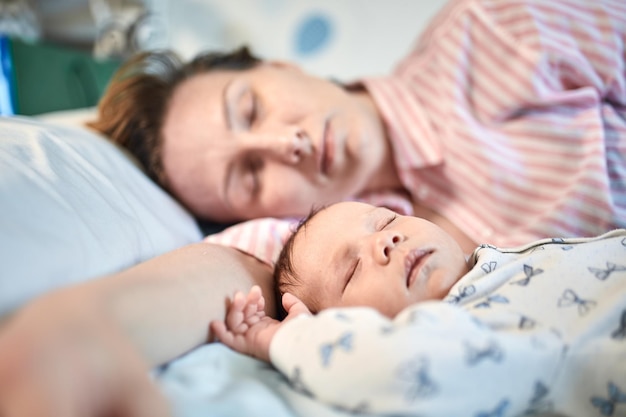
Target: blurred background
x=73 y=46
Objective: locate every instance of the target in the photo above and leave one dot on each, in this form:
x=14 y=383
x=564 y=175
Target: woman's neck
x=386 y=176
x=467 y=245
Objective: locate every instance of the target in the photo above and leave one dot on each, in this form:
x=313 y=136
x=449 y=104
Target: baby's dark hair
x=286 y=278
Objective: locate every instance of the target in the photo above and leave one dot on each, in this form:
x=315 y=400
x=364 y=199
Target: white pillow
x=72 y=207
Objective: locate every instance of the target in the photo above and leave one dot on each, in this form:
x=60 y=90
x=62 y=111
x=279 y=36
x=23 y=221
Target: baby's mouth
x=413 y=263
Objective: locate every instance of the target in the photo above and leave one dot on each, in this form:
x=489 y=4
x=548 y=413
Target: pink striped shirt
x=508 y=118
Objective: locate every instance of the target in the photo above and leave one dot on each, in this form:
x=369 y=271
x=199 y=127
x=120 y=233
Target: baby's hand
x=247 y=329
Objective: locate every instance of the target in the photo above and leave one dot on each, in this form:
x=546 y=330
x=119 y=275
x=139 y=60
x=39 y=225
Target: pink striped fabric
x=261 y=238
x=508 y=118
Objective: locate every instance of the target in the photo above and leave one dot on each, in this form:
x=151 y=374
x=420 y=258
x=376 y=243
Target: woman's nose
x=384 y=242
x=291 y=144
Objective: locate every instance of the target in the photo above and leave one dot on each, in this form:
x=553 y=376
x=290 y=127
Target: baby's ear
x=281 y=313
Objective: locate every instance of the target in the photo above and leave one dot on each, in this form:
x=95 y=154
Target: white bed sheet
x=214 y=381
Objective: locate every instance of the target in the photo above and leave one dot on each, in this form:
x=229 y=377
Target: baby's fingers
x=223 y=334
x=235 y=317
x=255 y=305
x=254 y=294
x=251 y=315
x=260 y=305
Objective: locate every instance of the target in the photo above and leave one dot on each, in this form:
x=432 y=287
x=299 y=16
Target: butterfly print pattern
x=529 y=273
x=620 y=332
x=416 y=373
x=605 y=273
x=327 y=349
x=608 y=405
x=491 y=351
x=570 y=298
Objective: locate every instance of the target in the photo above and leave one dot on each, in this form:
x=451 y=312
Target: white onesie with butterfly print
x=536 y=329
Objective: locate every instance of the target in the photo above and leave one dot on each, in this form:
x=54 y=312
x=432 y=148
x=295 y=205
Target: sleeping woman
x=504 y=124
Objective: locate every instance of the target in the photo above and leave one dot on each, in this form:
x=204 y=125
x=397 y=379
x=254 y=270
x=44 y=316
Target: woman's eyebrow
x=226 y=110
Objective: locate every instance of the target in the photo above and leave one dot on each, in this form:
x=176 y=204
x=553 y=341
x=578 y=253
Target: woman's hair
x=133 y=107
x=286 y=278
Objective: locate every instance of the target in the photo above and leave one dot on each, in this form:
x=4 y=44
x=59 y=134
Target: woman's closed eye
x=248 y=109
x=253 y=184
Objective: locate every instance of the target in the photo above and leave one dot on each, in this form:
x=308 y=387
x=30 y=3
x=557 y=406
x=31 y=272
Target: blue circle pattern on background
x=313 y=34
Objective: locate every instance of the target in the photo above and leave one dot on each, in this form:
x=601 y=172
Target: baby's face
x=355 y=254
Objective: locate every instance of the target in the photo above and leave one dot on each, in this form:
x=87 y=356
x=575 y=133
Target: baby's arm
x=247 y=329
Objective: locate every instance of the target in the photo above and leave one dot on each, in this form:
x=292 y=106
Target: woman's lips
x=327 y=150
x=413 y=263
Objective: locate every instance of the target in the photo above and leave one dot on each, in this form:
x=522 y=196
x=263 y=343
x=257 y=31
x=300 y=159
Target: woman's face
x=269 y=141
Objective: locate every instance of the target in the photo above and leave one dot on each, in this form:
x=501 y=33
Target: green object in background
x=48 y=77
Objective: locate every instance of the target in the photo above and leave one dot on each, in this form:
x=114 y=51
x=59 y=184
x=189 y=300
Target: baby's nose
x=384 y=243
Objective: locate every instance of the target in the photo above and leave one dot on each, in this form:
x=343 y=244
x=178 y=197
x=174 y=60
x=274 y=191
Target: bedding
x=214 y=381
x=73 y=206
